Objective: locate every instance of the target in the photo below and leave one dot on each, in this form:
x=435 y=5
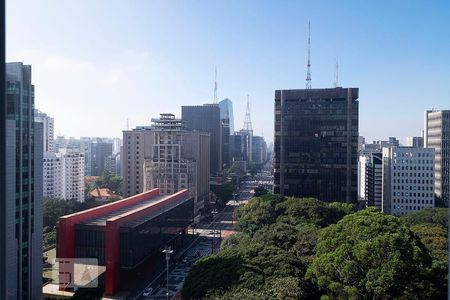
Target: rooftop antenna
x=215 y=86
x=336 y=74
x=248 y=120
x=308 y=74
x=128 y=125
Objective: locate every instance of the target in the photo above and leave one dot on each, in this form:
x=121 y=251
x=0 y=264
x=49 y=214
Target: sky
x=97 y=63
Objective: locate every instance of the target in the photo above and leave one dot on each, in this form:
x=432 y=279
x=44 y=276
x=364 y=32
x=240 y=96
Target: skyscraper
x=23 y=201
x=226 y=112
x=316 y=143
x=96 y=153
x=437 y=136
x=370 y=182
x=48 y=124
x=206 y=118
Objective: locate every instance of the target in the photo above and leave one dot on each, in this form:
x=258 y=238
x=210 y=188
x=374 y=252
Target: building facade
x=49 y=134
x=414 y=141
x=226 y=112
x=73 y=174
x=206 y=118
x=53 y=174
x=408 y=179
x=169 y=157
x=437 y=136
x=96 y=153
x=370 y=183
x=23 y=201
x=316 y=143
x=259 y=150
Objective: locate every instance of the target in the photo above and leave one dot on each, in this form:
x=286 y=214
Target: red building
x=124 y=233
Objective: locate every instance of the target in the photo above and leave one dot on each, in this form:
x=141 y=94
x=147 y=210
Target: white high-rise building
x=370 y=179
x=48 y=129
x=53 y=176
x=408 y=179
x=73 y=174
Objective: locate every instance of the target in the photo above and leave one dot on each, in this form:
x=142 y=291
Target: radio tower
x=308 y=74
x=336 y=74
x=215 y=86
x=248 y=120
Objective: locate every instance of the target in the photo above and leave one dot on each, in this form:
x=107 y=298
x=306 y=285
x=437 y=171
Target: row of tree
x=307 y=249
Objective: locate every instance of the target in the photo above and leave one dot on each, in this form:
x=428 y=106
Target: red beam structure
x=108 y=220
x=65 y=247
x=112 y=237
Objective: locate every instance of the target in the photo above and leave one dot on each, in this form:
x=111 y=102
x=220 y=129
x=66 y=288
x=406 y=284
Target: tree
x=260 y=191
x=435 y=239
x=258 y=212
x=310 y=210
x=370 y=255
x=428 y=216
x=212 y=272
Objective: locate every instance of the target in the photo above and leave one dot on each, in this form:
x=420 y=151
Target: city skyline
x=161 y=55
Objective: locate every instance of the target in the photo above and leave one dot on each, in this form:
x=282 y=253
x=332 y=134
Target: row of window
x=411 y=188
x=415 y=174
x=412 y=154
x=406 y=194
x=414 y=168
x=413 y=201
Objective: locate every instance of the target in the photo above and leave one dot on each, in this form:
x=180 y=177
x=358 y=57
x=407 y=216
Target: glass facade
x=316 y=140
x=26 y=160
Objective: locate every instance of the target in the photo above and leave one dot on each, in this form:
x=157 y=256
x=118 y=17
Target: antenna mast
x=248 y=120
x=308 y=74
x=128 y=127
x=215 y=86
x=336 y=74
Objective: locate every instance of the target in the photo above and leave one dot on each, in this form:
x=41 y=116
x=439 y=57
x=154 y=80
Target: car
x=147 y=292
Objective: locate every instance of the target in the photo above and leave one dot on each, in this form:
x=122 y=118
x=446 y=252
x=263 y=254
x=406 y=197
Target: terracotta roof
x=102 y=193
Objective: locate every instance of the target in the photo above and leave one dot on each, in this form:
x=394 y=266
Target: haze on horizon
x=97 y=63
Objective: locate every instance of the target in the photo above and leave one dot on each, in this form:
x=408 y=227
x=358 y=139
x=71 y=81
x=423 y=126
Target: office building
x=225 y=142
x=259 y=150
x=414 y=141
x=167 y=156
x=226 y=112
x=437 y=136
x=408 y=179
x=316 y=143
x=96 y=153
x=73 y=174
x=23 y=200
x=206 y=118
x=48 y=124
x=370 y=182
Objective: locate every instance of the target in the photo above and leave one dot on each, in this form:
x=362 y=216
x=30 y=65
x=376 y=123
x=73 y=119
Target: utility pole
x=167 y=251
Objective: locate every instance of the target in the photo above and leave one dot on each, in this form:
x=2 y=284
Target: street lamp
x=167 y=251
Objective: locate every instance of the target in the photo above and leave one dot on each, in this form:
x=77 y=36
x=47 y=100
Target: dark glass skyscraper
x=23 y=201
x=316 y=143
x=206 y=118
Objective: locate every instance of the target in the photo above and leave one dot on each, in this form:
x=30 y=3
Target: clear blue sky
x=96 y=63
